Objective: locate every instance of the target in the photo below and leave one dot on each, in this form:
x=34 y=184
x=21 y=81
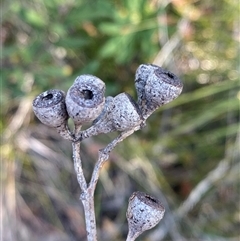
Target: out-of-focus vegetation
x=188 y=155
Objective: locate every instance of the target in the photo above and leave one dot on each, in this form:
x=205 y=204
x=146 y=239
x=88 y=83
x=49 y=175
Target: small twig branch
x=87 y=196
x=78 y=166
x=78 y=162
x=103 y=157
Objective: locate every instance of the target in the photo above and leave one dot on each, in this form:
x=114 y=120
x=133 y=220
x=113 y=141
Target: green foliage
x=46 y=44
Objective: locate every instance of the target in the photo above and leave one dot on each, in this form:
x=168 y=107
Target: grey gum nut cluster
x=85 y=103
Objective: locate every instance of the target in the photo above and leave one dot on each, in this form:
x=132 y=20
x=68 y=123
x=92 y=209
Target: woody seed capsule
x=155 y=87
x=85 y=99
x=144 y=212
x=120 y=113
x=50 y=109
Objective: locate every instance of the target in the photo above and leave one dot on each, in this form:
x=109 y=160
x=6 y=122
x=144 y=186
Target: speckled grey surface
x=125 y=114
x=155 y=87
x=120 y=113
x=50 y=108
x=141 y=76
x=85 y=99
x=144 y=212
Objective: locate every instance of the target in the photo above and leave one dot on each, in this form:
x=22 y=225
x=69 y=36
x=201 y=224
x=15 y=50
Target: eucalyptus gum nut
x=141 y=76
x=125 y=113
x=144 y=212
x=50 y=108
x=85 y=99
x=102 y=124
x=107 y=107
x=162 y=87
x=120 y=113
x=155 y=87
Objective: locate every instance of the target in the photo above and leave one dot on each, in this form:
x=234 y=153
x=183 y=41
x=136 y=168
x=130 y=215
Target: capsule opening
x=47 y=97
x=87 y=94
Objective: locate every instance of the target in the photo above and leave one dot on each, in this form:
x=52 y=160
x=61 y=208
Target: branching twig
x=78 y=166
x=103 y=157
x=85 y=103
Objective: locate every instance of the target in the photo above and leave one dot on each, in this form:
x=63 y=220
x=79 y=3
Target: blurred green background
x=187 y=155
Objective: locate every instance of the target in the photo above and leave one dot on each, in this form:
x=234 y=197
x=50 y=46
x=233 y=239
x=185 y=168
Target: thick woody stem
x=78 y=166
x=86 y=196
x=78 y=162
x=87 y=199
